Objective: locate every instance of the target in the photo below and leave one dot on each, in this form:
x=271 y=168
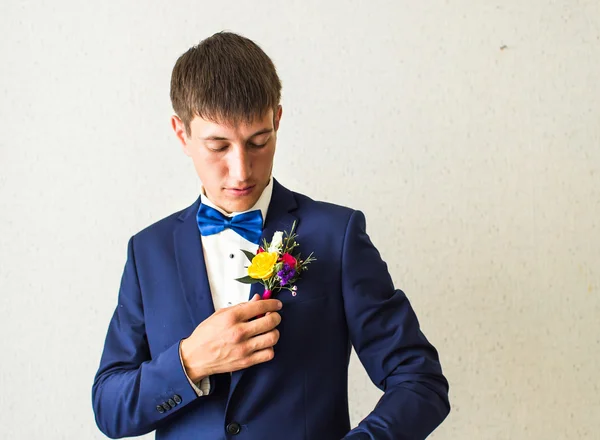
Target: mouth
x=243 y=191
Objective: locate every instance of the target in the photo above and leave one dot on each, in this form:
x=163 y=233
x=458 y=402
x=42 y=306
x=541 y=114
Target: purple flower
x=286 y=274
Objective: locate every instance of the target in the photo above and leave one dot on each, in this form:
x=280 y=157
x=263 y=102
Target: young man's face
x=234 y=163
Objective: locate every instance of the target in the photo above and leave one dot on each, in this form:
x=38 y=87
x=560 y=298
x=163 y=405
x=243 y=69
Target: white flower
x=276 y=242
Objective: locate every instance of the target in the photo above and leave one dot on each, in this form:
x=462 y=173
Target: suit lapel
x=279 y=218
x=191 y=266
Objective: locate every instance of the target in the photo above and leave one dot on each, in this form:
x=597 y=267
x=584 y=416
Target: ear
x=179 y=129
x=277 y=117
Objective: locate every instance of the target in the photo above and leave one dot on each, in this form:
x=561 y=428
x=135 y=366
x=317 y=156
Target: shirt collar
x=262 y=203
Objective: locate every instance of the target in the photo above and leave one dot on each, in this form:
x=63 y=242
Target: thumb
x=256 y=297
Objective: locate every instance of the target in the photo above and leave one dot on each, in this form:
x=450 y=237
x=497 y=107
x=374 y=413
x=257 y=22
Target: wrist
x=193 y=370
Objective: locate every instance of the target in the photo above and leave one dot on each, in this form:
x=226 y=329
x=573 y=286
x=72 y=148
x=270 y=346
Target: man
x=194 y=354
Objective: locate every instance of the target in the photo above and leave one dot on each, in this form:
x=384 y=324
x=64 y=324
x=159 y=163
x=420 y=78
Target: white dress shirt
x=225 y=262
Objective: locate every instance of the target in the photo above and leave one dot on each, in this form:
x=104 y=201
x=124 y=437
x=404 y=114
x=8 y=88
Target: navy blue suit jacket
x=345 y=298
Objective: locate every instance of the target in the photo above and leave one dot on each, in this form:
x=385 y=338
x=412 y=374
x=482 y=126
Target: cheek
x=264 y=159
x=207 y=167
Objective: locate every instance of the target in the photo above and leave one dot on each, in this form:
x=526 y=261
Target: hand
x=227 y=341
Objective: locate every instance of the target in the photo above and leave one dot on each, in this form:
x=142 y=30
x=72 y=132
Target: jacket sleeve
x=132 y=391
x=385 y=333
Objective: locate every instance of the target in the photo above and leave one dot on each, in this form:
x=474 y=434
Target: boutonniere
x=275 y=265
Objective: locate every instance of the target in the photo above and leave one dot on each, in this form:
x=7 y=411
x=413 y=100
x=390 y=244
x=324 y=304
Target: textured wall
x=467 y=131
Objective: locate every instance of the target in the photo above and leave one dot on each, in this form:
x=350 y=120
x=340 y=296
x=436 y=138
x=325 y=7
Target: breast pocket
x=318 y=281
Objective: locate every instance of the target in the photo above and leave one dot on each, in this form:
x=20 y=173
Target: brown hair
x=225 y=78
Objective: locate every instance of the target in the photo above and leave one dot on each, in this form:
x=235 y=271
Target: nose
x=240 y=166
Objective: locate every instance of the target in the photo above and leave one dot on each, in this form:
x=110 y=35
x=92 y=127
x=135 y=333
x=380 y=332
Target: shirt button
x=231 y=255
x=234 y=428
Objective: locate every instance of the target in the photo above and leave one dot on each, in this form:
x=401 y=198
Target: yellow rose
x=263 y=265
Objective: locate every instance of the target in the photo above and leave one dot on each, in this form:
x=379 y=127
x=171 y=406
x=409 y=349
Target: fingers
x=260 y=356
x=265 y=340
x=248 y=310
x=261 y=325
x=256 y=350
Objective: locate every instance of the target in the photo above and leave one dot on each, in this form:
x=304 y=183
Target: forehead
x=206 y=128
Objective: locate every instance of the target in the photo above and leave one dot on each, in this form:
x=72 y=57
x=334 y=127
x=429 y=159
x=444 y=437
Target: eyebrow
x=220 y=138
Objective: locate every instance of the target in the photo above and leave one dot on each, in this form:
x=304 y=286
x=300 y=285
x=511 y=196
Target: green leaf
x=249 y=255
x=247 y=280
x=265 y=245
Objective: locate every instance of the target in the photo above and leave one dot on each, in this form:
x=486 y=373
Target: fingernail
x=279 y=304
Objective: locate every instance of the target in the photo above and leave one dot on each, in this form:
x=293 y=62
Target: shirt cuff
x=202 y=387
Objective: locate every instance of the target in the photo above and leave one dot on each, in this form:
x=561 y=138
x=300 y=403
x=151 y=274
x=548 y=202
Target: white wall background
x=467 y=131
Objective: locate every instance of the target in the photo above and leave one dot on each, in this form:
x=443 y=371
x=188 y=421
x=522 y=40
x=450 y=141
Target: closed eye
x=250 y=145
x=218 y=150
x=257 y=145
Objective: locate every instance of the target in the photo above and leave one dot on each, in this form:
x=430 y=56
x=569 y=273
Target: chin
x=238 y=205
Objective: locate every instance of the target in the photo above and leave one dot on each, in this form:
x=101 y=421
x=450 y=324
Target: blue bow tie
x=247 y=224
